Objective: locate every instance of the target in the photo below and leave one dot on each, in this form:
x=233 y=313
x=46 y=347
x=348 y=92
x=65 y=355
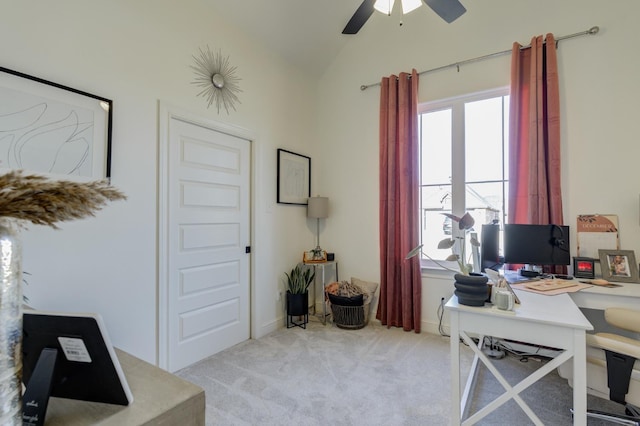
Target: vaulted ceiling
x=307 y=33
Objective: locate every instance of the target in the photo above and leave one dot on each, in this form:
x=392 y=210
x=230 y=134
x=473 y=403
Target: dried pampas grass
x=42 y=201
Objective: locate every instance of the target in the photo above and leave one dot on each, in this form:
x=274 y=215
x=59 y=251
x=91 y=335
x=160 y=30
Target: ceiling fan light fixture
x=410 y=5
x=449 y=10
x=386 y=6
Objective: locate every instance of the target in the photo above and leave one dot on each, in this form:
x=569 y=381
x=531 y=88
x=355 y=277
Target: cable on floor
x=524 y=355
x=440 y=313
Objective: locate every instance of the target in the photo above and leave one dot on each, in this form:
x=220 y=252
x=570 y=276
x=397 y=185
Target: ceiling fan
x=449 y=10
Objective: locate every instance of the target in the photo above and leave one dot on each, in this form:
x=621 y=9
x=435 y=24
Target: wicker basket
x=350 y=317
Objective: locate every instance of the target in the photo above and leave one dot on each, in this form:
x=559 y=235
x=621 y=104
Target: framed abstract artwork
x=294 y=178
x=51 y=129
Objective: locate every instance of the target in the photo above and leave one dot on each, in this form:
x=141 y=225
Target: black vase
x=472 y=278
x=297 y=307
x=471 y=289
x=297 y=304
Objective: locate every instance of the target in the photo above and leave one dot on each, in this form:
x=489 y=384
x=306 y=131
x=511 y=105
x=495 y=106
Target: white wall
x=599 y=101
x=137 y=53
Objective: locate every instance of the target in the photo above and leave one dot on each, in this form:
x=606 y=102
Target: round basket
x=349 y=313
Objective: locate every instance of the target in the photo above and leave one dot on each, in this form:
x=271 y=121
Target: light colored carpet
x=373 y=376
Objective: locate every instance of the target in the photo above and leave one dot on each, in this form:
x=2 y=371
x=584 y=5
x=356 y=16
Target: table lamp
x=318 y=208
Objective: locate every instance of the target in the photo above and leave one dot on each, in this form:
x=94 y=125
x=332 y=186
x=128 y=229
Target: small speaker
x=331 y=257
x=490 y=247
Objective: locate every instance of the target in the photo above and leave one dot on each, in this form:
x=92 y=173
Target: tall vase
x=10 y=323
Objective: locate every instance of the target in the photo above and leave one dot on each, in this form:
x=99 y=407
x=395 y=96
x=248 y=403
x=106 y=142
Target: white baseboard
x=269 y=327
x=432 y=327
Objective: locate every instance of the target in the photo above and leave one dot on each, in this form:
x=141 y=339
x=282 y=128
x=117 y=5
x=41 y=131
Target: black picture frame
x=53 y=129
x=69 y=355
x=294 y=178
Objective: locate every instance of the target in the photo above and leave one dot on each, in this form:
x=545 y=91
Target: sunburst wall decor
x=217 y=78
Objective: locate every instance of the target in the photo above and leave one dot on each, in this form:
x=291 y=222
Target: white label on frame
x=74 y=349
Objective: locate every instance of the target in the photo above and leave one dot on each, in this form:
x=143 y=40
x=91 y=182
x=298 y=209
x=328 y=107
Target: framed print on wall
x=294 y=178
x=47 y=128
x=619 y=265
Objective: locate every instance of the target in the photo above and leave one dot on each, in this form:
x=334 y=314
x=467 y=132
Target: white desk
x=546 y=320
x=597 y=297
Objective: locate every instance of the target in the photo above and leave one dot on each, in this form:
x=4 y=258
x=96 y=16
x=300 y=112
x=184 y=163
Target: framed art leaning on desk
x=618 y=265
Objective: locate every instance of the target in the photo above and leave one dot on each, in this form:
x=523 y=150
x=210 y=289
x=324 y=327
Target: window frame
x=458 y=160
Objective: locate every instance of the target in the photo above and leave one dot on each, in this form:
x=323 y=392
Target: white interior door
x=207 y=232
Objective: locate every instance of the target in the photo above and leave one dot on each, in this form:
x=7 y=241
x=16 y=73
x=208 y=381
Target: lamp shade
x=318 y=207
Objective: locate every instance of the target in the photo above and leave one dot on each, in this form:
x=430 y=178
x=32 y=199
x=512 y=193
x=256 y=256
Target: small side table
x=322 y=266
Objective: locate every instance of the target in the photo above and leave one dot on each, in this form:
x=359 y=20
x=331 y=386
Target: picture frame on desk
x=618 y=265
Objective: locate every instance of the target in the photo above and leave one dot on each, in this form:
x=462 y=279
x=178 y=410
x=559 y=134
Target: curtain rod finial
x=364 y=87
x=594 y=30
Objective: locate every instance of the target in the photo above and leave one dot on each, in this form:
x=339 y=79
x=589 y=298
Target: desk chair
x=613 y=371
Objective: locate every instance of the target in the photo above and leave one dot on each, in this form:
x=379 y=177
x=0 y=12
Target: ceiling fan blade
x=449 y=10
x=359 y=18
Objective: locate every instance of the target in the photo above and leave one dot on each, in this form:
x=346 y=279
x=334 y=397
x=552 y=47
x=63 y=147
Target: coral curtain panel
x=535 y=195
x=400 y=279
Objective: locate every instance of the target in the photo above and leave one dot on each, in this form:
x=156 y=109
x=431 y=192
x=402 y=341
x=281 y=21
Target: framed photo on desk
x=619 y=265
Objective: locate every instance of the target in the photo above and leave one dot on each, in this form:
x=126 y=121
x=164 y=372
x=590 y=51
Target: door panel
x=207 y=232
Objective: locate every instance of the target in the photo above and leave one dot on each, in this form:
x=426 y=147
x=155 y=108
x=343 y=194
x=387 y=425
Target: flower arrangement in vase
x=35 y=199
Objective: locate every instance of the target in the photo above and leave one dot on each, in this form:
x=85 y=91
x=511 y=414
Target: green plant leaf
x=452 y=217
x=447 y=243
x=298 y=280
x=466 y=222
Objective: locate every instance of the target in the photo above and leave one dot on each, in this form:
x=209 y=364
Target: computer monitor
x=536 y=244
x=490 y=248
x=68 y=356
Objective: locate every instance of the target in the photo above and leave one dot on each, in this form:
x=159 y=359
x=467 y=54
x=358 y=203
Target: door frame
x=166 y=113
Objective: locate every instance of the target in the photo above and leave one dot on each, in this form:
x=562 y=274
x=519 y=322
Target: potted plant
x=298 y=281
x=471 y=288
x=465 y=223
x=458 y=251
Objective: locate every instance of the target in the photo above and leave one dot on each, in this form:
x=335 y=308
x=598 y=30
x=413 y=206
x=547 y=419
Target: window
x=464 y=165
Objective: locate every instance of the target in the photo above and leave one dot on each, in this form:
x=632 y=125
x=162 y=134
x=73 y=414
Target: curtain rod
x=590 y=31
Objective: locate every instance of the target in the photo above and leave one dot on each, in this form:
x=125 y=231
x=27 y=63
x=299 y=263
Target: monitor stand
x=528 y=273
x=530 y=270
x=36 y=395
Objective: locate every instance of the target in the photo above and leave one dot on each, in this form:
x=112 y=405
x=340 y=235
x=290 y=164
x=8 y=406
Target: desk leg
x=324 y=303
x=455 y=368
x=315 y=288
x=579 y=378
